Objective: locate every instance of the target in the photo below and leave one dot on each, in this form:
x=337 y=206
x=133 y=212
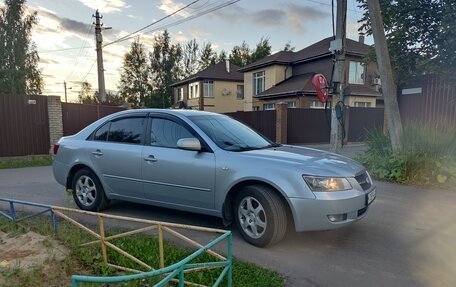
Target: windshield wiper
x=271 y=145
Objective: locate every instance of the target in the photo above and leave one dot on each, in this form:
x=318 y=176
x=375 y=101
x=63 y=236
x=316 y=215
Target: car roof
x=168 y=111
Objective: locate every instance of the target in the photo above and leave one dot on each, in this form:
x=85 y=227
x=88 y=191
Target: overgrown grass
x=88 y=260
x=27 y=161
x=428 y=156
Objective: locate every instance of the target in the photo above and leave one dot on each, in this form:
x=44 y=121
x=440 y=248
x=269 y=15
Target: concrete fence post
x=55 y=120
x=281 y=122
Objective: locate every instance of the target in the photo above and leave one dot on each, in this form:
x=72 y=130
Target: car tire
x=260 y=215
x=88 y=193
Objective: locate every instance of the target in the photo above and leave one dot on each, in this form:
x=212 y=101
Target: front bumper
x=312 y=214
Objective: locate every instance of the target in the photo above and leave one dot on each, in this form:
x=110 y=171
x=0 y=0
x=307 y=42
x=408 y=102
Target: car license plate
x=370 y=197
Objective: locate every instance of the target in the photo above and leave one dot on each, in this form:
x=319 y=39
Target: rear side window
x=102 y=133
x=126 y=130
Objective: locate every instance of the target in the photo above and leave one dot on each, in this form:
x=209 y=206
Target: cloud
x=270 y=17
x=180 y=37
x=170 y=6
x=105 y=6
x=135 y=17
x=291 y=16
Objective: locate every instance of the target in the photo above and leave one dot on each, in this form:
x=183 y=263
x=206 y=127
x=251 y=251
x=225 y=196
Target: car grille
x=363 y=180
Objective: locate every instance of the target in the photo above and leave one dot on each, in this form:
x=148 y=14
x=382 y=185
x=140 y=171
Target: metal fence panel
x=78 y=116
x=263 y=122
x=363 y=120
x=309 y=126
x=24 y=125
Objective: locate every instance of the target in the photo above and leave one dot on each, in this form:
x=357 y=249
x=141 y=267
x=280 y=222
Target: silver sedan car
x=212 y=164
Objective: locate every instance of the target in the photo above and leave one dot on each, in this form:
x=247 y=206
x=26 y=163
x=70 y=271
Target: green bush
x=427 y=157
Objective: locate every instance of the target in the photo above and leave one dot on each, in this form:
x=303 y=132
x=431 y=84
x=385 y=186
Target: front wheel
x=261 y=216
x=88 y=192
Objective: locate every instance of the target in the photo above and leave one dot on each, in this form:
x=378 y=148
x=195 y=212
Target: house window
x=363 y=104
x=317 y=105
x=208 y=89
x=240 y=92
x=291 y=105
x=256 y=108
x=258 y=82
x=356 y=73
x=269 y=107
x=194 y=93
x=180 y=94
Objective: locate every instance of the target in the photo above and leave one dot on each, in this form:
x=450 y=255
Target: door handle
x=150 y=158
x=97 y=153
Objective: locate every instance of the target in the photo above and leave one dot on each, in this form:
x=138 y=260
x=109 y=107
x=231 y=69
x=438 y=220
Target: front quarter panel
x=233 y=168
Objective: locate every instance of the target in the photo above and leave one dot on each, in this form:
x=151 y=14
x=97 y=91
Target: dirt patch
x=28 y=250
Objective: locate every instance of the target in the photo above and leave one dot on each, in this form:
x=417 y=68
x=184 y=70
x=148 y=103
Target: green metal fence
x=175 y=272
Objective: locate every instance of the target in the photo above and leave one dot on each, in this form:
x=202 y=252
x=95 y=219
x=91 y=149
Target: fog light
x=337 y=217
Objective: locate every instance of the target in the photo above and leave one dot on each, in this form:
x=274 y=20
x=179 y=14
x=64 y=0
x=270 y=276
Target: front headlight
x=317 y=183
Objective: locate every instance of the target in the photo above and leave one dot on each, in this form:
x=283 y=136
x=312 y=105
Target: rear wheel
x=260 y=215
x=88 y=192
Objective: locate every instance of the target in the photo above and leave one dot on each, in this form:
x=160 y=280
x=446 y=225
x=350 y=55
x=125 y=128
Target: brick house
x=218 y=88
x=286 y=77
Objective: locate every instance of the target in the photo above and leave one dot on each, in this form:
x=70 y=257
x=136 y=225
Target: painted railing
x=175 y=272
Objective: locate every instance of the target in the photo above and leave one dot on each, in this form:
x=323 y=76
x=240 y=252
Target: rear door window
x=127 y=130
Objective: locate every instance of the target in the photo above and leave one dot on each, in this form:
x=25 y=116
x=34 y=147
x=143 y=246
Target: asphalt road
x=408 y=237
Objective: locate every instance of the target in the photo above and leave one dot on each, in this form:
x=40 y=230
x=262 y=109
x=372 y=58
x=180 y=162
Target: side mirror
x=189 y=144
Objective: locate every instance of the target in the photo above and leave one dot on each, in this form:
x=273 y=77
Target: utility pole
x=64 y=85
x=99 y=46
x=389 y=89
x=339 y=77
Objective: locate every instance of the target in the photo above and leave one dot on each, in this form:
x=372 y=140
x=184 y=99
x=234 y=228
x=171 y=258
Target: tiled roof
x=301 y=84
x=319 y=49
x=291 y=86
x=215 y=72
x=282 y=57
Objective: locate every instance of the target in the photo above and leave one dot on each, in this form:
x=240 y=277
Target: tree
x=240 y=55
x=190 y=58
x=86 y=95
x=421 y=36
x=165 y=70
x=288 y=47
x=208 y=56
x=19 y=73
x=384 y=66
x=222 y=56
x=263 y=49
x=134 y=84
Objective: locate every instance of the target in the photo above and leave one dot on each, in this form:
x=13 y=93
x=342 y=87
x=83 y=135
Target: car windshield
x=230 y=134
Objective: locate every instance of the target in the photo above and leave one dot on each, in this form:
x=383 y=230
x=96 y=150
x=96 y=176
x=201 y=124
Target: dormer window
x=356 y=73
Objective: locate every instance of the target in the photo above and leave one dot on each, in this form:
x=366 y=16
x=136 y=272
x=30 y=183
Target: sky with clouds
x=64 y=35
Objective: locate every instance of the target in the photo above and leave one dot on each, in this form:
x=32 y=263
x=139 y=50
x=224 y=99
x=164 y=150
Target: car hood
x=309 y=161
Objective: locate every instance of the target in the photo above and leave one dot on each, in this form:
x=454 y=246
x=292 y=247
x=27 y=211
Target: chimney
x=361 y=38
x=228 y=66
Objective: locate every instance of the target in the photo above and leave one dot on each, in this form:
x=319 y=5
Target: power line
x=126 y=37
x=81 y=51
x=166 y=26
x=91 y=67
x=63 y=49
